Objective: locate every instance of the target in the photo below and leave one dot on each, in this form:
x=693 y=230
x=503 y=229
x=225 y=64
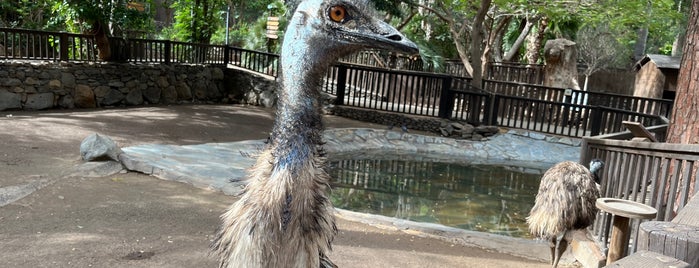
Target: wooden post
x=63 y=46
x=620 y=232
x=226 y=55
x=595 y=121
x=341 y=84
x=446 y=99
x=168 y=48
x=492 y=110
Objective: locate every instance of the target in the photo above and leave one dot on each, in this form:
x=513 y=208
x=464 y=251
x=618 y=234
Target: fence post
x=446 y=100
x=226 y=55
x=168 y=48
x=63 y=46
x=595 y=121
x=341 y=84
x=492 y=116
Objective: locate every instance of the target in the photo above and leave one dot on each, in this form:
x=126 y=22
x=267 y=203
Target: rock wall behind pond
x=45 y=85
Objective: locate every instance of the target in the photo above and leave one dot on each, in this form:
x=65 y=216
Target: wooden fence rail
x=42 y=45
x=655 y=174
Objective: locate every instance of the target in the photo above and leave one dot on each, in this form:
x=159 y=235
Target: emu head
x=321 y=31
x=596 y=166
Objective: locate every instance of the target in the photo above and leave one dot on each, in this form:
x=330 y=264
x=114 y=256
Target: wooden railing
x=42 y=45
x=509 y=104
x=532 y=74
x=655 y=174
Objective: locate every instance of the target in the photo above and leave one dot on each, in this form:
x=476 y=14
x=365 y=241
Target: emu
x=565 y=201
x=284 y=217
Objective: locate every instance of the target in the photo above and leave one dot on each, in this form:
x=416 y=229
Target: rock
x=99 y=148
x=217 y=74
x=68 y=80
x=162 y=82
x=168 y=95
x=135 y=97
x=39 y=101
x=457 y=126
x=84 y=97
x=487 y=130
x=31 y=81
x=112 y=97
x=444 y=132
x=11 y=82
x=66 y=101
x=9 y=100
x=152 y=94
x=55 y=84
x=116 y=84
x=183 y=91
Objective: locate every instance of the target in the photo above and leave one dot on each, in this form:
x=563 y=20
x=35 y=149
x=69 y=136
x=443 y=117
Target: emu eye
x=338 y=13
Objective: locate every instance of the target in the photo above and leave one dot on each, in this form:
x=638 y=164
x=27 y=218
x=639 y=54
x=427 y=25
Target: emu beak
x=383 y=35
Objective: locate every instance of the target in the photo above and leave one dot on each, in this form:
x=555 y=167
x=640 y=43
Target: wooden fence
x=42 y=45
x=54 y=46
x=508 y=104
x=655 y=174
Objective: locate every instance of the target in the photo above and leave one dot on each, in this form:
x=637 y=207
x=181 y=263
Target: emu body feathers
x=284 y=217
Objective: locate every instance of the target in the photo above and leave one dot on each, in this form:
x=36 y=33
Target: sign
x=272 y=27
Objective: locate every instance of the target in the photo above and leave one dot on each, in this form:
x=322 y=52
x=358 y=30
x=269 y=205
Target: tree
x=103 y=18
x=684 y=124
x=597 y=49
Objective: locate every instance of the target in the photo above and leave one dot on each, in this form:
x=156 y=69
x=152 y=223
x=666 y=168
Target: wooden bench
x=677 y=240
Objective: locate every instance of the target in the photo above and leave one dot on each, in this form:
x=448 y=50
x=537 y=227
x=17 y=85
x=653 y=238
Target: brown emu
x=565 y=201
x=284 y=217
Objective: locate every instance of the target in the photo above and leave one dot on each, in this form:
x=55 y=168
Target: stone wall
x=46 y=85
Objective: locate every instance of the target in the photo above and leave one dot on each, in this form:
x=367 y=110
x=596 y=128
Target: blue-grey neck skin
x=596 y=166
x=311 y=44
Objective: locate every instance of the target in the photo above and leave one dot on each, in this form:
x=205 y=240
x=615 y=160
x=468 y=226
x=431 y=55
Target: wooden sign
x=272 y=27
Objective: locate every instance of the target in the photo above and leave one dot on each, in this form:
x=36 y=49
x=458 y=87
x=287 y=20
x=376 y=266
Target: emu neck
x=298 y=128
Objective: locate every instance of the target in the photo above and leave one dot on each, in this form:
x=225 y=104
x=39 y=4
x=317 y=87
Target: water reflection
x=479 y=197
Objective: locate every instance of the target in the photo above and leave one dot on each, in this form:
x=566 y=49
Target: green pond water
x=479 y=197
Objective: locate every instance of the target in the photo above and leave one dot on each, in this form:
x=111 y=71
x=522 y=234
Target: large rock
x=39 y=101
x=68 y=80
x=135 y=97
x=152 y=94
x=84 y=97
x=9 y=100
x=112 y=97
x=99 y=148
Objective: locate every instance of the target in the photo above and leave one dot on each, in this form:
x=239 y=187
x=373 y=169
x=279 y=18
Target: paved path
x=58 y=211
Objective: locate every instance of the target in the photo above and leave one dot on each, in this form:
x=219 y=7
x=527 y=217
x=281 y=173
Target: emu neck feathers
x=297 y=131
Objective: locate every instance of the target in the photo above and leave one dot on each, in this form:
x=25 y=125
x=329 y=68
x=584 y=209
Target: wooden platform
x=648 y=259
x=668 y=244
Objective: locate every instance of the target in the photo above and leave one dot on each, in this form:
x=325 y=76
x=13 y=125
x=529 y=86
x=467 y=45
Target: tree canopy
x=474 y=31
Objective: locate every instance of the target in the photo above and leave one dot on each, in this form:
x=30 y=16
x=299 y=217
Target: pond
x=493 y=198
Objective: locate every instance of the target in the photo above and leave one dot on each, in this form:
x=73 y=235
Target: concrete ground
x=53 y=214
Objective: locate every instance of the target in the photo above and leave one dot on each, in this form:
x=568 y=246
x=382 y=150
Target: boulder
x=9 y=100
x=84 y=97
x=39 y=101
x=135 y=97
x=99 y=148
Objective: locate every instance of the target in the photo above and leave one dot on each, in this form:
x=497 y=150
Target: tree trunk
x=104 y=50
x=684 y=127
x=477 y=42
x=534 y=42
x=520 y=40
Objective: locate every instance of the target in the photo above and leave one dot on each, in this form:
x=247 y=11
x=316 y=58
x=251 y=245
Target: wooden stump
x=561 y=69
x=675 y=240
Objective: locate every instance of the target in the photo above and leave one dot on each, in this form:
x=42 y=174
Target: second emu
x=565 y=201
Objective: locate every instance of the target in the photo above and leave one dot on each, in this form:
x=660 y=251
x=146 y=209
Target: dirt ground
x=135 y=220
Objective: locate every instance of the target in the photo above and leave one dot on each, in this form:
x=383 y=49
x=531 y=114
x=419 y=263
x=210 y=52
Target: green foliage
x=82 y=16
x=197 y=20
